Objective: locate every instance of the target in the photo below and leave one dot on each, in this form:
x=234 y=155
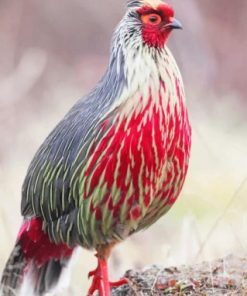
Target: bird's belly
x=134 y=173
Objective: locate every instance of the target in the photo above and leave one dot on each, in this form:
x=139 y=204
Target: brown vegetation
x=226 y=276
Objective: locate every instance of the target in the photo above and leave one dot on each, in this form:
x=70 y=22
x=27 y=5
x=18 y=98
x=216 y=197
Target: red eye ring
x=153 y=19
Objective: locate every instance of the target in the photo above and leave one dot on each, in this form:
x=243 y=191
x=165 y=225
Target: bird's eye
x=151 y=19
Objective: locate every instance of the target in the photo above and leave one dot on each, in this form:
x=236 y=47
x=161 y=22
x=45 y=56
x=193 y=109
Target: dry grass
x=220 y=277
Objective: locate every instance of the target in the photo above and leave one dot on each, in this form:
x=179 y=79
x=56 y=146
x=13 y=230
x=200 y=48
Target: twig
x=235 y=195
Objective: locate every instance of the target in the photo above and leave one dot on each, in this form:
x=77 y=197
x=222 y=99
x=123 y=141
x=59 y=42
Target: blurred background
x=53 y=52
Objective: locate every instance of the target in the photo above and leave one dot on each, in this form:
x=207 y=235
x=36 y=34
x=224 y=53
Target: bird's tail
x=35 y=259
x=13 y=272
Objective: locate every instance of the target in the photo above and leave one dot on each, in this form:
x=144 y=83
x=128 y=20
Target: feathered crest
x=134 y=3
x=139 y=3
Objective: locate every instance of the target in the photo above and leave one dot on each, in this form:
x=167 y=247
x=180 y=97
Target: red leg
x=101 y=282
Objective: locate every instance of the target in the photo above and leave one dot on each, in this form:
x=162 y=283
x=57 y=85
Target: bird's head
x=154 y=20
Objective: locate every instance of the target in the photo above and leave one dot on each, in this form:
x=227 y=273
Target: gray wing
x=50 y=189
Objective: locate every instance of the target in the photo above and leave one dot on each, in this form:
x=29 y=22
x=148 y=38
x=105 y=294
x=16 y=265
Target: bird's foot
x=96 y=282
x=100 y=280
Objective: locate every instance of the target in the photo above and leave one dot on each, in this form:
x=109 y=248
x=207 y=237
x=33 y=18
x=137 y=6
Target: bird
x=114 y=165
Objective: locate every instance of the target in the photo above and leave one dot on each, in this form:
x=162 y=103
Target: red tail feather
x=34 y=254
x=36 y=245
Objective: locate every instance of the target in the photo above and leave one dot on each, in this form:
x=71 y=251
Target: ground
x=226 y=276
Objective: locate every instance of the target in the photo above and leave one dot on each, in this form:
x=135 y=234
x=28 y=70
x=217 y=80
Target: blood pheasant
x=115 y=163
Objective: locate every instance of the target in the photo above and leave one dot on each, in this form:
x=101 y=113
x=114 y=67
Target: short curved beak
x=175 y=24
